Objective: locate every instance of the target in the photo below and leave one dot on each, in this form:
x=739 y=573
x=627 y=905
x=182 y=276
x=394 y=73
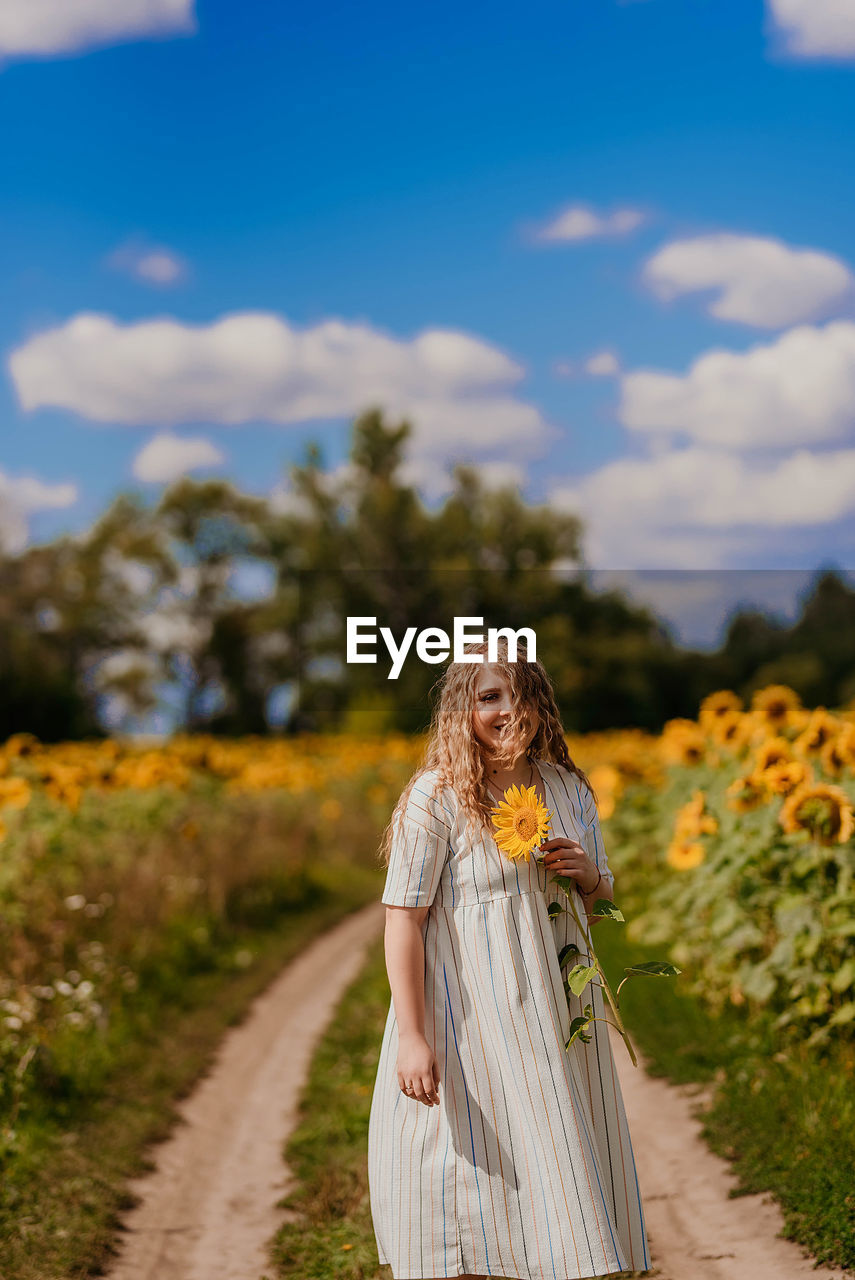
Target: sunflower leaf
x=605 y=907
x=653 y=969
x=577 y=1026
x=579 y=977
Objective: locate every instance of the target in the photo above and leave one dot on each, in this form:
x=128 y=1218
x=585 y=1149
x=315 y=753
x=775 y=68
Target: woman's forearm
x=405 y=965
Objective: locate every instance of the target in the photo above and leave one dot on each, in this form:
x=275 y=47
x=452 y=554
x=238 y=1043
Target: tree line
x=218 y=611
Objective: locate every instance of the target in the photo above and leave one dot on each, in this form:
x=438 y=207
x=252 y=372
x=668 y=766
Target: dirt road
x=695 y=1231
x=206 y=1212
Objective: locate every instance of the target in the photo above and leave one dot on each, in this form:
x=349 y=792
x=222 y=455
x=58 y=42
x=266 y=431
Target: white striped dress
x=525 y=1169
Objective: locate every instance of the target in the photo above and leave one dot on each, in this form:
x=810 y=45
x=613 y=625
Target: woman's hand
x=568 y=858
x=418 y=1068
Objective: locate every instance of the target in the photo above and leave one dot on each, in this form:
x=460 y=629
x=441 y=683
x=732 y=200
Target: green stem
x=608 y=1021
x=612 y=999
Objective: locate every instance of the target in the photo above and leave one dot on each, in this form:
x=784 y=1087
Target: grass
x=331 y=1233
x=788 y=1126
x=786 y=1121
x=62 y=1192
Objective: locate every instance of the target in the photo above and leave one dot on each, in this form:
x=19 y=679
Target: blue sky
x=271 y=215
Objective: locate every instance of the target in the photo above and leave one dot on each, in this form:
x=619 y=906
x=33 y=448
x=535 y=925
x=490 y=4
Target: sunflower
x=773 y=751
x=606 y=781
x=684 y=854
x=745 y=793
x=21 y=744
x=15 y=793
x=683 y=742
x=718 y=706
x=833 y=756
x=777 y=705
x=782 y=778
x=693 y=820
x=821 y=728
x=521 y=820
x=845 y=743
x=822 y=809
x=732 y=730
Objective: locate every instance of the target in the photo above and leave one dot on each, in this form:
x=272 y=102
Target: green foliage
x=579 y=977
x=330 y=1233
x=230 y=599
x=120 y=903
x=785 y=1118
x=768 y=918
x=196 y=926
x=604 y=908
x=578 y=1026
x=653 y=968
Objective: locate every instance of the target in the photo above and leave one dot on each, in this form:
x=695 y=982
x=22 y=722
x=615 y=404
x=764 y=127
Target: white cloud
x=19 y=498
x=431 y=477
x=814 y=28
x=496 y=473
x=254 y=366
x=131 y=575
x=334 y=482
x=166 y=457
x=755 y=279
x=435 y=481
x=602 y=364
x=170 y=626
x=45 y=27
x=150 y=264
x=695 y=507
x=579 y=222
x=799 y=389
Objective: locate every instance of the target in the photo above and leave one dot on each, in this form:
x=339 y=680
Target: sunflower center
x=525 y=824
x=819 y=814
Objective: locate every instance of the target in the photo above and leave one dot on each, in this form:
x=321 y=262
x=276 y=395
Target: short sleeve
x=419 y=849
x=593 y=840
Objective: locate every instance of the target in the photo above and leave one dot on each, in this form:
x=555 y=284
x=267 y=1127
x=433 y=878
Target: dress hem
x=531 y=1275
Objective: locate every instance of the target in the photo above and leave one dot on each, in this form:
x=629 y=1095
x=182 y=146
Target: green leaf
x=577 y=1026
x=578 y=978
x=846 y=1013
x=605 y=907
x=844 y=977
x=653 y=969
x=554 y=910
x=758 y=983
x=565 y=952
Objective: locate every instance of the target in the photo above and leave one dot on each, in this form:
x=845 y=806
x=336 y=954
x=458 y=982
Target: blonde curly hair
x=454 y=751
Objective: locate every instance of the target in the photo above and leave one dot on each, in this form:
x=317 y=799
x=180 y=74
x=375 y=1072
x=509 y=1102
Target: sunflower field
x=741 y=857
x=128 y=867
x=731 y=837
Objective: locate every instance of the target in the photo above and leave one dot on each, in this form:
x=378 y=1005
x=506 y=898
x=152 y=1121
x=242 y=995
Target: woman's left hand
x=568 y=858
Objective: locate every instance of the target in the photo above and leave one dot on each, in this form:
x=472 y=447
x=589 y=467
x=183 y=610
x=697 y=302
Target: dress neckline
x=538 y=782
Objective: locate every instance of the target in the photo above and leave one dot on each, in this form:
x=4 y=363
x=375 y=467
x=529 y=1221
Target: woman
x=493 y=1149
